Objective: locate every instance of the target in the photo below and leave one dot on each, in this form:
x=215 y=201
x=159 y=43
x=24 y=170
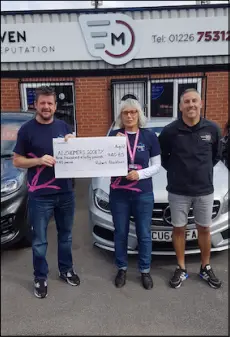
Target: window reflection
x=162 y=99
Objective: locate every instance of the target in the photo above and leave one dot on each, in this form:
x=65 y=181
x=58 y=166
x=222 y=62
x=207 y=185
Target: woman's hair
x=131 y=103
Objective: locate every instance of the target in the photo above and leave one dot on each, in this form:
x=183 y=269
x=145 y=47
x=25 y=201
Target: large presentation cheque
x=90 y=157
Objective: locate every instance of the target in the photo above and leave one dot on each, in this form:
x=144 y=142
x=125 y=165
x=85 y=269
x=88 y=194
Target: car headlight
x=11 y=185
x=226 y=204
x=101 y=200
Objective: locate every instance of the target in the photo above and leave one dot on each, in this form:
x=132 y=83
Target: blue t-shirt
x=147 y=147
x=36 y=140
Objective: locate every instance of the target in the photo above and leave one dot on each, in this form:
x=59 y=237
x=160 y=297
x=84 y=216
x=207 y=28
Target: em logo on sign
x=112 y=37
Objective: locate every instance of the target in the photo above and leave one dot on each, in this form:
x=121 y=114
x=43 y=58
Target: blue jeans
x=123 y=204
x=41 y=210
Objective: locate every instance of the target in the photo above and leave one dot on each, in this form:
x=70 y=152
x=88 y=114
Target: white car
x=102 y=227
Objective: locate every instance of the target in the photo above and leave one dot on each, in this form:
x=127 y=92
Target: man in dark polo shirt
x=190 y=149
x=47 y=195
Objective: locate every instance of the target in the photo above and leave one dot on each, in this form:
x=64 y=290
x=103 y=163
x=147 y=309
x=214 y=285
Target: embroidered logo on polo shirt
x=140 y=147
x=206 y=137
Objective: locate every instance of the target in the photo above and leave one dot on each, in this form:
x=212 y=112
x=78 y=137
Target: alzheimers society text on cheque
x=90 y=157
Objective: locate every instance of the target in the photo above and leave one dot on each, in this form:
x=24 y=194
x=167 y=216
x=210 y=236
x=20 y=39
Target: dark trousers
x=140 y=205
x=41 y=210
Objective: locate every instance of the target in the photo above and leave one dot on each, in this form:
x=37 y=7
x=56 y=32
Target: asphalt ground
x=96 y=307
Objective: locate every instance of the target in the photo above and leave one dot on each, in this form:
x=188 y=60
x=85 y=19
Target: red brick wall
x=217 y=107
x=93 y=99
x=93 y=106
x=10 y=98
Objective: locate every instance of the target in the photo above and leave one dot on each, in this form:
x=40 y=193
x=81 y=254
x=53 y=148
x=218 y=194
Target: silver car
x=102 y=227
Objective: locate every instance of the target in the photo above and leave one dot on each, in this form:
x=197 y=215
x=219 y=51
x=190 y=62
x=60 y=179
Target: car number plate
x=190 y=234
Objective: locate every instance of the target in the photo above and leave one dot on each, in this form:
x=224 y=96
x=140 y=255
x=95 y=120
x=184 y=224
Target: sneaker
x=147 y=280
x=120 y=278
x=179 y=276
x=40 y=288
x=70 y=277
x=208 y=275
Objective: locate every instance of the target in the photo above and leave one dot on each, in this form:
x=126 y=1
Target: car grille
x=168 y=246
x=7 y=225
x=161 y=215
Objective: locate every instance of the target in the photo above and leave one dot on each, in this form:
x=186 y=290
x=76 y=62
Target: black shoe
x=70 y=277
x=147 y=280
x=179 y=276
x=40 y=288
x=120 y=278
x=208 y=275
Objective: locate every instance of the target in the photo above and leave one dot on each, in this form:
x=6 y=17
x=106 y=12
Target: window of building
x=65 y=100
x=164 y=96
x=123 y=89
x=162 y=99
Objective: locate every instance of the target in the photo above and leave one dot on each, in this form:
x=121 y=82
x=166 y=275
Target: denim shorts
x=180 y=205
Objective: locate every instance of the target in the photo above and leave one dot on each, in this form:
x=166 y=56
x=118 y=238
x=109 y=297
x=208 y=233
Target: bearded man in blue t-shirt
x=47 y=195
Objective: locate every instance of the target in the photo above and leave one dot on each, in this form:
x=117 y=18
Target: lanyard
x=132 y=153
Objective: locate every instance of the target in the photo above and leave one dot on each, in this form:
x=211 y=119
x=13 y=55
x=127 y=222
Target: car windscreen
x=9 y=131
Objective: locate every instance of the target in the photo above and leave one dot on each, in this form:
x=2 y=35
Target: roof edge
x=120 y=9
x=19 y=74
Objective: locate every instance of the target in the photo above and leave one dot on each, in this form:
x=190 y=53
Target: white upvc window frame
x=175 y=81
x=31 y=85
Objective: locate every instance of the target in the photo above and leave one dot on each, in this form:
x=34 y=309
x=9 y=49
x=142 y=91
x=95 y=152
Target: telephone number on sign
x=207 y=36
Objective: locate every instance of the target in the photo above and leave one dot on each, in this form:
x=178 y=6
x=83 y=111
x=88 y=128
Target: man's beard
x=45 y=118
